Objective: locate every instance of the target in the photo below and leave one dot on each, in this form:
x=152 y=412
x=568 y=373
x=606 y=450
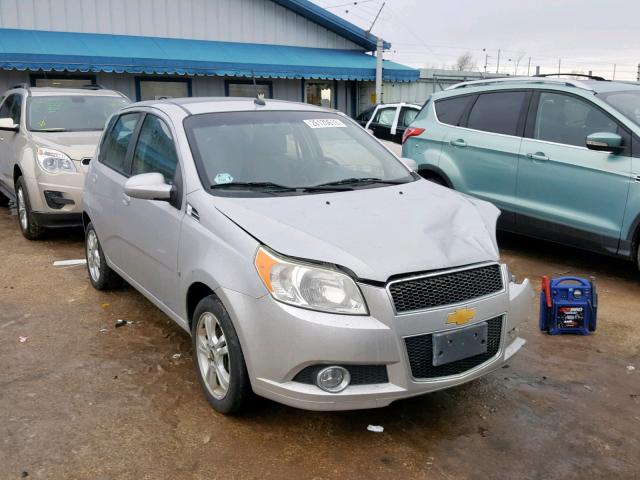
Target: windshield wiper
x=57 y=129
x=361 y=181
x=254 y=186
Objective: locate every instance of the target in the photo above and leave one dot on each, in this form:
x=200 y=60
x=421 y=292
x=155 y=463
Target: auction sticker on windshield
x=325 y=123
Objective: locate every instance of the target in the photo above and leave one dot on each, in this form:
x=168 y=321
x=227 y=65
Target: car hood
x=376 y=232
x=77 y=145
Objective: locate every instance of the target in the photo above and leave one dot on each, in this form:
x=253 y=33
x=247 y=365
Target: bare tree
x=465 y=62
x=519 y=56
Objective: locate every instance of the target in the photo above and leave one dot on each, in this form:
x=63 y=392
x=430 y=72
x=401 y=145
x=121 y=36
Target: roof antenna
x=257 y=100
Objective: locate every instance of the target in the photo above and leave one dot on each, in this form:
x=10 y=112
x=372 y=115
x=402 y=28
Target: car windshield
x=288 y=152
x=625 y=101
x=71 y=113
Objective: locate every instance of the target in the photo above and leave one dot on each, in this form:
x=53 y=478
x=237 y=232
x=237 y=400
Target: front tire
x=218 y=357
x=28 y=224
x=101 y=275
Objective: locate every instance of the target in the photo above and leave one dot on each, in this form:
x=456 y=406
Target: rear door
x=151 y=228
x=567 y=192
x=406 y=116
x=382 y=122
x=481 y=157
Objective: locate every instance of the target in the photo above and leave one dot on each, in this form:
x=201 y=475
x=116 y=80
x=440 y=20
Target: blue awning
x=91 y=52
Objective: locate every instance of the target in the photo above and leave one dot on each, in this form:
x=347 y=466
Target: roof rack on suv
x=26 y=86
x=581 y=75
x=492 y=81
x=92 y=86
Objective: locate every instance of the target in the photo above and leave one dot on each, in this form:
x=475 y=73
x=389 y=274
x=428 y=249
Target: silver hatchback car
x=309 y=264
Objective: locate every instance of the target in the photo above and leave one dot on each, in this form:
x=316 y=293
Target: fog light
x=333 y=379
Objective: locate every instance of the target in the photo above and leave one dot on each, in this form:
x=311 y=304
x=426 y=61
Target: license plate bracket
x=459 y=344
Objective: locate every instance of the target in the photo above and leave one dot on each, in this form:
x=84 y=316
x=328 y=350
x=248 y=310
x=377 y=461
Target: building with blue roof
x=150 y=49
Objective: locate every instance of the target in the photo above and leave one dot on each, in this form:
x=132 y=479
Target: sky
x=583 y=35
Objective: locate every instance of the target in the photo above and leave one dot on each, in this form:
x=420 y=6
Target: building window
x=240 y=88
x=320 y=94
x=62 y=81
x=152 y=88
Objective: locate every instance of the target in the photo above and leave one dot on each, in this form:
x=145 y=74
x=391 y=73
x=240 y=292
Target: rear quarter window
x=450 y=110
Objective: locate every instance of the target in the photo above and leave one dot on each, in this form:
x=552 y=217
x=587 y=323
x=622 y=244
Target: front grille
x=360 y=374
x=420 y=351
x=445 y=289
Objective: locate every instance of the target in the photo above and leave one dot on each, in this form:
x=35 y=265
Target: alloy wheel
x=93 y=255
x=22 y=210
x=213 y=355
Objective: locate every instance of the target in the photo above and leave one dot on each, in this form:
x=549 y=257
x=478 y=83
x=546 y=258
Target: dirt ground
x=80 y=399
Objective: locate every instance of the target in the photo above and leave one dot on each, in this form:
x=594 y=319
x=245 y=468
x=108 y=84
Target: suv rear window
x=450 y=110
x=497 y=112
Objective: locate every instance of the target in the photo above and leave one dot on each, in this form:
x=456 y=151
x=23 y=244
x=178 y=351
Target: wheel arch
x=17 y=173
x=431 y=171
x=195 y=293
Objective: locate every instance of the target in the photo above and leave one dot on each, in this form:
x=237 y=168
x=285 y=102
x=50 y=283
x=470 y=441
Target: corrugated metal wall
x=253 y=21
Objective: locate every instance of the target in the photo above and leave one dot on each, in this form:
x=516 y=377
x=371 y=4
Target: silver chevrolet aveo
x=309 y=264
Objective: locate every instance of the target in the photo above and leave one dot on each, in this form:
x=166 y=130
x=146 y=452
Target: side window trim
x=131 y=148
x=533 y=113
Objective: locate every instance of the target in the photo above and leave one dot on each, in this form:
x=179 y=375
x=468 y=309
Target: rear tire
x=101 y=275
x=220 y=366
x=28 y=224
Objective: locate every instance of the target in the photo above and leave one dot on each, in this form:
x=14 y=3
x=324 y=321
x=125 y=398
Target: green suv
x=559 y=157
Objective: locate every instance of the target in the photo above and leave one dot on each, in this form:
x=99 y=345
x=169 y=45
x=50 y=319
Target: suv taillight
x=411 y=132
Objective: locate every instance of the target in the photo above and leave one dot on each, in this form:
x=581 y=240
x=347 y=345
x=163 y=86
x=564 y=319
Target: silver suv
x=47 y=138
x=308 y=263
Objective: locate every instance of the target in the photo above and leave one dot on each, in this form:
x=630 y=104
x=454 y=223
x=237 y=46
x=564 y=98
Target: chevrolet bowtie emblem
x=461 y=316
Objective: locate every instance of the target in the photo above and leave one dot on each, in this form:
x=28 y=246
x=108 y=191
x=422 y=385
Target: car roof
x=61 y=91
x=198 y=105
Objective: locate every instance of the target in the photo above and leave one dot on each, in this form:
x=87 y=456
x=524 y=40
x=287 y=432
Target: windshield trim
x=295 y=191
x=29 y=99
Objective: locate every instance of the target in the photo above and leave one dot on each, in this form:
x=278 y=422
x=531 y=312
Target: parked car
x=306 y=261
x=559 y=157
x=47 y=139
x=388 y=121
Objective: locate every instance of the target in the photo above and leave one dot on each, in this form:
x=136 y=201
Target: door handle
x=538 y=156
x=458 y=143
x=126 y=199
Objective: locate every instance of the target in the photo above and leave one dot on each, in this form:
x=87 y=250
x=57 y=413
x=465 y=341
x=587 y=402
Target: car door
x=382 y=122
x=9 y=140
x=567 y=192
x=481 y=155
x=105 y=186
x=151 y=228
x=406 y=116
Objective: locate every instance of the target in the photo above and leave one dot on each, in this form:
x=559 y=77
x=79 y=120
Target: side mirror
x=148 y=186
x=8 y=125
x=410 y=163
x=604 y=142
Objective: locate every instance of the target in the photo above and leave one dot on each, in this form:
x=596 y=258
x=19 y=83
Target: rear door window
x=569 y=120
x=113 y=152
x=12 y=108
x=450 y=110
x=407 y=115
x=155 y=151
x=497 y=112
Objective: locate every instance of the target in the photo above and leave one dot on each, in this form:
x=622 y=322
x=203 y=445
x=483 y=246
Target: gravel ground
x=80 y=399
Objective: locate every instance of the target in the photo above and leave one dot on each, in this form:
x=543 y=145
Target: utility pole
x=379 y=50
x=614 y=71
x=559 y=65
x=529 y=67
x=498 y=63
x=486 y=60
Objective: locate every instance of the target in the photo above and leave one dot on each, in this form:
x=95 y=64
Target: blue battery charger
x=568 y=305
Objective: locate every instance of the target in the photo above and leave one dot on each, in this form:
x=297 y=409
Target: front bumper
x=279 y=341
x=65 y=195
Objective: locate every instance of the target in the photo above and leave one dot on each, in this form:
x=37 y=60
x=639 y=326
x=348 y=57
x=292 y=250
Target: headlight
x=53 y=161
x=308 y=286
